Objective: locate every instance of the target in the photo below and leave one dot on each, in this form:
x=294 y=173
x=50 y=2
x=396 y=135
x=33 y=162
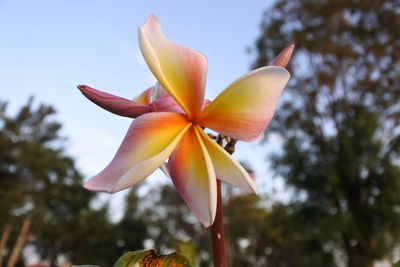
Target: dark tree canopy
x=39 y=180
x=339 y=119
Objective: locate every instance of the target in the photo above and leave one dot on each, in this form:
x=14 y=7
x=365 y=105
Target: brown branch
x=3 y=241
x=19 y=244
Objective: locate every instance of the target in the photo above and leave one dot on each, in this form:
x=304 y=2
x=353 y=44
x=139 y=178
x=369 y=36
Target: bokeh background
x=327 y=168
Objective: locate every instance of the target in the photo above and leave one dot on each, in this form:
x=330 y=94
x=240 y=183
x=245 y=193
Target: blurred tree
x=131 y=230
x=339 y=121
x=244 y=223
x=172 y=227
x=269 y=236
x=38 y=179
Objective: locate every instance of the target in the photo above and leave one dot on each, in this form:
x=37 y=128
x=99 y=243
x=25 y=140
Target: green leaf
x=187 y=248
x=149 y=258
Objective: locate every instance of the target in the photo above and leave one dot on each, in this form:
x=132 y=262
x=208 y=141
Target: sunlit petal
x=180 y=70
x=192 y=172
x=226 y=168
x=245 y=107
x=117 y=105
x=150 y=140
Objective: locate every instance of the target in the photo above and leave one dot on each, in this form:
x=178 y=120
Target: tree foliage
x=271 y=236
x=38 y=179
x=339 y=121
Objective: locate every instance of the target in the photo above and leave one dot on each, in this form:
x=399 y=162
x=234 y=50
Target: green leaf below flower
x=148 y=258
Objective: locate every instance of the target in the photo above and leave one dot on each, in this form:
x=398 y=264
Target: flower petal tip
x=207 y=225
x=151 y=21
x=95 y=185
x=255 y=191
x=151 y=17
x=81 y=87
x=91 y=186
x=252 y=188
x=284 y=57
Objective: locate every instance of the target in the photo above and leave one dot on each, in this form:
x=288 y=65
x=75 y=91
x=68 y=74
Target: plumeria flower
x=175 y=133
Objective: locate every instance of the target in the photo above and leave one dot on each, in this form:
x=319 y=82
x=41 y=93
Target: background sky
x=49 y=47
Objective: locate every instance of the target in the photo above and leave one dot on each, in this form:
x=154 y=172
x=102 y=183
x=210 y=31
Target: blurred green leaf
x=149 y=258
x=187 y=248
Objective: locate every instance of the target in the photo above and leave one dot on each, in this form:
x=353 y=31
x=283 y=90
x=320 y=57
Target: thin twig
x=19 y=244
x=3 y=241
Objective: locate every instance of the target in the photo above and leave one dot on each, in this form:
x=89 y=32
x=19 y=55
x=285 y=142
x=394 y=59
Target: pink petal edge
x=114 y=104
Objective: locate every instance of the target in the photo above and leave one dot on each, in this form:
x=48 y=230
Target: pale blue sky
x=48 y=47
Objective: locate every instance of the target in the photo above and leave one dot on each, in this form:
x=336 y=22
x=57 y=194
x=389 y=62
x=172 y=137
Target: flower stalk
x=217 y=233
x=217 y=228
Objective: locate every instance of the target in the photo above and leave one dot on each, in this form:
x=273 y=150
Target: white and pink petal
x=148 y=143
x=180 y=70
x=193 y=175
x=244 y=108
